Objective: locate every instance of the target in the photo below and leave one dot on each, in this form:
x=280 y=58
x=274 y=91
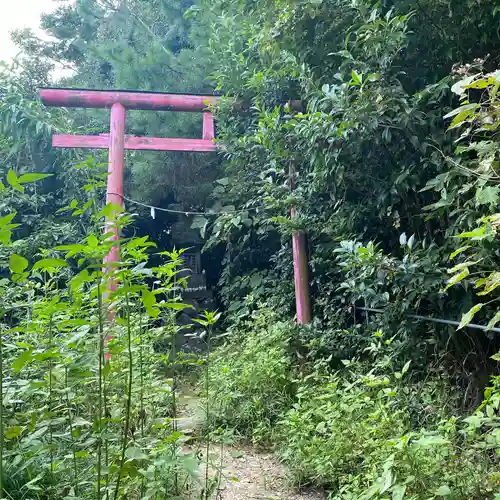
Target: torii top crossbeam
x=131 y=99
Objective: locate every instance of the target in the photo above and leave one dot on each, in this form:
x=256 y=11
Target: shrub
x=366 y=431
x=347 y=434
x=250 y=377
x=333 y=424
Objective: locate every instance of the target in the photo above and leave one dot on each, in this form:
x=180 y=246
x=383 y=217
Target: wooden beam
x=300 y=266
x=69 y=98
x=116 y=173
x=208 y=126
x=135 y=143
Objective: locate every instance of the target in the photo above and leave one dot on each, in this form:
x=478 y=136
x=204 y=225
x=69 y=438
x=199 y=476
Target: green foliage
x=86 y=410
x=334 y=107
x=471 y=185
x=363 y=431
x=138 y=45
x=250 y=377
x=350 y=98
x=353 y=176
x=348 y=433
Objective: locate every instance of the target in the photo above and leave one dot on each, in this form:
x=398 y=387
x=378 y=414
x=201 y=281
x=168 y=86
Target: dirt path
x=245 y=474
x=251 y=475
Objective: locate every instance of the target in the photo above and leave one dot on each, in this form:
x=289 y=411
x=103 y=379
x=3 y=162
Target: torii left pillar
x=116 y=174
x=117 y=142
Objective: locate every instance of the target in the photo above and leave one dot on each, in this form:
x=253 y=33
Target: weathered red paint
x=208 y=127
x=117 y=143
x=301 y=277
x=130 y=100
x=136 y=143
x=300 y=267
x=116 y=167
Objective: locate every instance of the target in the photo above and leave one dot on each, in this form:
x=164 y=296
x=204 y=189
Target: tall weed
x=250 y=377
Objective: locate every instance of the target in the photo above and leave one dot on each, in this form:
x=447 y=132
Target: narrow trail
x=247 y=474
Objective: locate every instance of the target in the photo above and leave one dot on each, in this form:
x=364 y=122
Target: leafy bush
x=250 y=376
x=366 y=431
x=356 y=433
x=348 y=435
x=333 y=424
x=86 y=412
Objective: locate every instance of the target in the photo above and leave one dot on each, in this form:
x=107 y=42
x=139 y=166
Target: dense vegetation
x=392 y=136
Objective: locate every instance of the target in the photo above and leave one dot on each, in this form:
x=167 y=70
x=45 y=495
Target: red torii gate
x=117 y=142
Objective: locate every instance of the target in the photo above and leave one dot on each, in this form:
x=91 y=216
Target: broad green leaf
x=6 y=228
x=463 y=265
x=469 y=316
x=134 y=453
x=6 y=220
x=32 y=177
x=13 y=432
x=443 y=491
x=148 y=298
x=93 y=241
x=21 y=361
x=494 y=320
x=461 y=109
x=462 y=116
x=476 y=234
x=425 y=441
x=356 y=77
x=12 y=177
x=72 y=249
x=5 y=236
x=81 y=422
x=81 y=278
x=77 y=337
x=459 y=87
x=459 y=251
x=454 y=280
x=489 y=283
x=153 y=312
x=178 y=306
x=481 y=83
x=49 y=264
x=17 y=264
x=488 y=195
x=398 y=491
x=14 y=181
x=33 y=487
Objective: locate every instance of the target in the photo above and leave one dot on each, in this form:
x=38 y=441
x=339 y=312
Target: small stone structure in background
x=197 y=293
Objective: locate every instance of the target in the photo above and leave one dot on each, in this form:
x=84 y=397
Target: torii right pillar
x=300 y=268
